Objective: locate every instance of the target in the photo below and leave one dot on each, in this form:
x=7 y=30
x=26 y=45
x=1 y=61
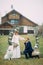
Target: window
x=14 y=14
x=31 y=31
x=14 y=21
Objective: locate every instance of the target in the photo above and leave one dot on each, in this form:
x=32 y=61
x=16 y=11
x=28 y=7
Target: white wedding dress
x=9 y=52
x=16 y=51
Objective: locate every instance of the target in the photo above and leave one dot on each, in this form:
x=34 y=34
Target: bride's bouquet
x=15 y=45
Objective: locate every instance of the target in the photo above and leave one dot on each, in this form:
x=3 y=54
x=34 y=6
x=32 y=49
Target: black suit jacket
x=28 y=47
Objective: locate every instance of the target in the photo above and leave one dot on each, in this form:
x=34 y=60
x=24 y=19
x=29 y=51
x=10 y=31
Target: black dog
x=35 y=56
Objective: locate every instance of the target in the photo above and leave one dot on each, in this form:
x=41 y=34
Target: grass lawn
x=22 y=60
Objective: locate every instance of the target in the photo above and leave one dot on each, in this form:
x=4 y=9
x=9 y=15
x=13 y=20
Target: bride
x=16 y=45
x=15 y=40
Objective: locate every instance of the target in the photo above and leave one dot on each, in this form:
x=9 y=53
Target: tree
x=41 y=30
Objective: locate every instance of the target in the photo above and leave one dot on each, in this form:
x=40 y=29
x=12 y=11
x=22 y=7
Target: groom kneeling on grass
x=28 y=49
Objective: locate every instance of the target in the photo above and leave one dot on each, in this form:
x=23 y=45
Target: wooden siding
x=22 y=20
x=6 y=25
x=11 y=16
x=26 y=22
x=4 y=19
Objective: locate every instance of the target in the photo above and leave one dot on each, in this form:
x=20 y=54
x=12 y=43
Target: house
x=14 y=19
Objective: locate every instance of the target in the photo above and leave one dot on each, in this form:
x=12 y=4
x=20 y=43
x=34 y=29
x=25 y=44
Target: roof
x=20 y=14
x=6 y=23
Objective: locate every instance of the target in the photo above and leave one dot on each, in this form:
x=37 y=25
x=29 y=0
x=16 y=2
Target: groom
x=28 y=49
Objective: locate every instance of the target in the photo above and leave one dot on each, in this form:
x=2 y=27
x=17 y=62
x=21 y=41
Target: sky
x=32 y=9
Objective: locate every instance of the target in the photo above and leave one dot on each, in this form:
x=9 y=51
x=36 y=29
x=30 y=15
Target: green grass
x=22 y=60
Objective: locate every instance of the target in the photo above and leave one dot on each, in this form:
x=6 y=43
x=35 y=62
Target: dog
x=36 y=53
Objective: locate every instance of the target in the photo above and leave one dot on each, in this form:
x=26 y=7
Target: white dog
x=36 y=53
